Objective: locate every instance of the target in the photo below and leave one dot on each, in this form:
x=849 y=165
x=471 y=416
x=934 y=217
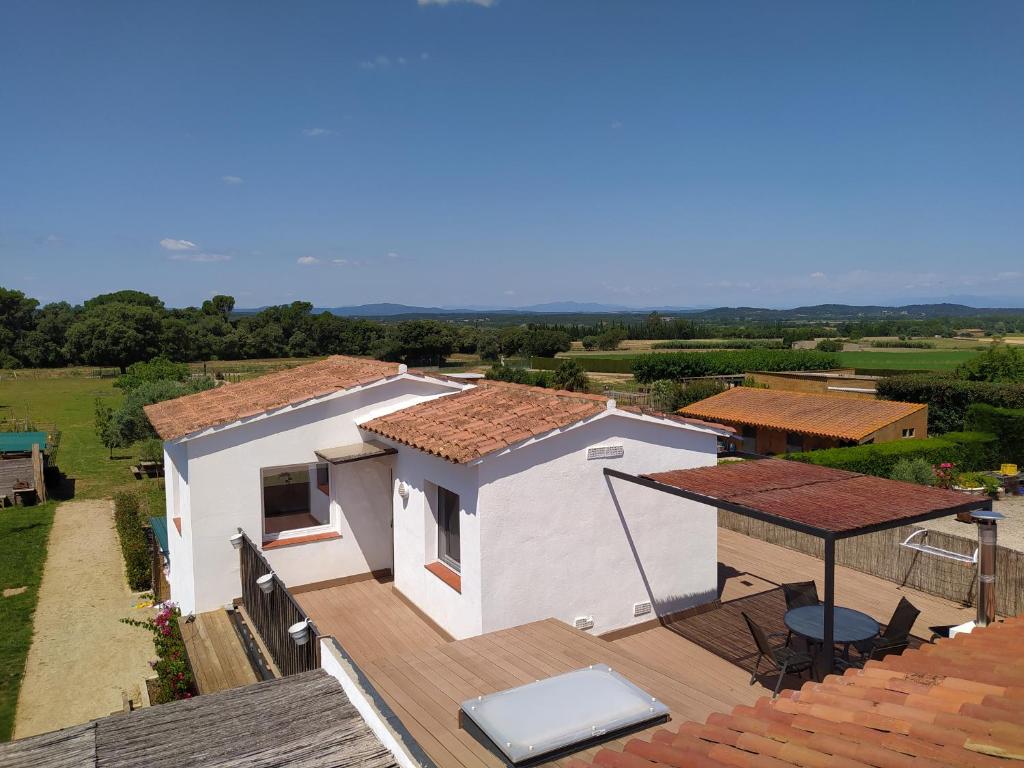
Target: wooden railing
x=274 y=612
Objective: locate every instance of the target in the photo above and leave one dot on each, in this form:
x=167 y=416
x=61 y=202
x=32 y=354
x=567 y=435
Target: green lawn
x=907 y=360
x=69 y=403
x=23 y=534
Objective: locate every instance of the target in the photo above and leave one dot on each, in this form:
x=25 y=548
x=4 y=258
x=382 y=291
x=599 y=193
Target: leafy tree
x=220 y=306
x=1001 y=364
x=105 y=431
x=134 y=298
x=157 y=369
x=418 y=342
x=114 y=334
x=570 y=375
x=16 y=319
x=829 y=345
x=544 y=343
x=612 y=337
x=488 y=345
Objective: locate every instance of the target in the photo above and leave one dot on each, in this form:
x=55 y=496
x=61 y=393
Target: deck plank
x=218 y=658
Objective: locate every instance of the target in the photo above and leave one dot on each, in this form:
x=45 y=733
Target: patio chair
x=896 y=636
x=782 y=656
x=799 y=594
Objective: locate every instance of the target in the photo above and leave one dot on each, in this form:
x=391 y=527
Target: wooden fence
x=273 y=613
x=880 y=554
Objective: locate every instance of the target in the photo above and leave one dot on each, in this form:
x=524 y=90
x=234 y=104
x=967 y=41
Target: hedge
x=1007 y=424
x=948 y=398
x=590 y=364
x=719 y=344
x=968 y=450
x=134 y=546
x=652 y=367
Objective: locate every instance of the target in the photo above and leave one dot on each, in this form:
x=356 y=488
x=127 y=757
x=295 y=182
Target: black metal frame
x=272 y=614
x=829 y=537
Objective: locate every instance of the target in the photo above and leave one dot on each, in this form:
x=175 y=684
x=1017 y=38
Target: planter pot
x=266 y=583
x=299 y=632
x=962 y=489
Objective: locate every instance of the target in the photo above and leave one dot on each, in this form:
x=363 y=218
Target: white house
x=486 y=501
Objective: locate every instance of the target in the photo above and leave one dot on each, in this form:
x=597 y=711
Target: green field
x=909 y=360
x=68 y=403
x=23 y=535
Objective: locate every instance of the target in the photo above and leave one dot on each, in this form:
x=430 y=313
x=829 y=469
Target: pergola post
x=824 y=659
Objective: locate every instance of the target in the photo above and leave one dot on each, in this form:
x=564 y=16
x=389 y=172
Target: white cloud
x=314 y=132
x=199 y=256
x=378 y=62
x=170 y=244
x=307 y=260
x=481 y=3
x=348 y=262
x=54 y=240
x=231 y=180
x=615 y=125
x=818 y=275
x=424 y=56
x=510 y=292
x=393 y=255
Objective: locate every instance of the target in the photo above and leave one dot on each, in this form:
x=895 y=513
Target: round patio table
x=849 y=626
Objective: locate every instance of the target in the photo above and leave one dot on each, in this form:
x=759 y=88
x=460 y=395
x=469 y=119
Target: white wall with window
x=232 y=473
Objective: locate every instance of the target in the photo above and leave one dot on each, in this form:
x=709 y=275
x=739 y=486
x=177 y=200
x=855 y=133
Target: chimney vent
x=986 y=520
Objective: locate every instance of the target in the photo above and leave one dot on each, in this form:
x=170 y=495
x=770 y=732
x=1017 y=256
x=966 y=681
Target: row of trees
x=121 y=328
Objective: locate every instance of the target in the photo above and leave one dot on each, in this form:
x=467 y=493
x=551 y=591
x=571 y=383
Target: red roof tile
x=230 y=402
x=824 y=498
x=489 y=417
x=842 y=418
x=909 y=711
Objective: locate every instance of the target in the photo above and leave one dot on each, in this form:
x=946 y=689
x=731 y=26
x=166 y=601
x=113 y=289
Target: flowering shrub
x=174 y=675
x=945 y=474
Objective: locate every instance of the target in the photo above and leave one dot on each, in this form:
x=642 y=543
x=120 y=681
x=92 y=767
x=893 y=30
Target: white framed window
x=908 y=432
x=449 y=550
x=295 y=500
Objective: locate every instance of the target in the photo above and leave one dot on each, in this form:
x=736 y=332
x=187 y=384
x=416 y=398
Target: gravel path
x=82 y=657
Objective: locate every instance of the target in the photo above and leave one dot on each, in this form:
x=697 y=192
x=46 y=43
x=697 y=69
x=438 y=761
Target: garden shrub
x=829 y=345
x=1007 y=424
x=655 y=366
x=669 y=396
x=174 y=675
x=948 y=398
x=918 y=471
x=570 y=376
x=902 y=344
x=590 y=364
x=134 y=547
x=152 y=450
x=969 y=451
x=516 y=375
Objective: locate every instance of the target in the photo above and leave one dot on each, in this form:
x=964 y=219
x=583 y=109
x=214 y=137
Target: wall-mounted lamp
x=403 y=490
x=236 y=540
x=266 y=583
x=299 y=632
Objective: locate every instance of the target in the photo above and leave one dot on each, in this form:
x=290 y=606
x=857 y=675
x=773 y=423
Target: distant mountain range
x=818 y=312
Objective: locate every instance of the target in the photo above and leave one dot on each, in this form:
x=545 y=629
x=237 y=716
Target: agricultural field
x=906 y=359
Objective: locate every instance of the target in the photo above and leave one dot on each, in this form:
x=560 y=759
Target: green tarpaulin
x=21 y=442
x=159 y=526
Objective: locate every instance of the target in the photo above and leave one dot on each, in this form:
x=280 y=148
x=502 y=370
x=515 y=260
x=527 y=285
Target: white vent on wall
x=642 y=609
x=605 y=452
x=583 y=622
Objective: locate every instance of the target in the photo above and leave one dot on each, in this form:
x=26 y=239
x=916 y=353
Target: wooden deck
x=424 y=678
x=216 y=653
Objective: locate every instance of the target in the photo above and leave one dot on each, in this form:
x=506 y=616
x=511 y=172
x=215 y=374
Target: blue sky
x=513 y=152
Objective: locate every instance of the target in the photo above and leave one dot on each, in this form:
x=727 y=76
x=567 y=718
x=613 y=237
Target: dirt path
x=81 y=656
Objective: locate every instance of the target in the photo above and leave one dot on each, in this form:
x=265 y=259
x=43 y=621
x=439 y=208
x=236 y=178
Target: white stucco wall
x=416 y=540
x=224 y=491
x=559 y=539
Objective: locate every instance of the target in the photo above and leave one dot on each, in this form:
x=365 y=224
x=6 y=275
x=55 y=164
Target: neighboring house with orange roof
x=474 y=496
x=771 y=421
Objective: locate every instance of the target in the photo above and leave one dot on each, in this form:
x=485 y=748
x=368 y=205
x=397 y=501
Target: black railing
x=273 y=612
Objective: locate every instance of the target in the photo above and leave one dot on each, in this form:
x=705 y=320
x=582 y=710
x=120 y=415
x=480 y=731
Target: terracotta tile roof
x=821 y=497
x=184 y=415
x=491 y=416
x=810 y=414
x=958 y=702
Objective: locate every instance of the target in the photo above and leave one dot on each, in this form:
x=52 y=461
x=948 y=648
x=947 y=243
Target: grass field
x=69 y=403
x=907 y=360
x=23 y=535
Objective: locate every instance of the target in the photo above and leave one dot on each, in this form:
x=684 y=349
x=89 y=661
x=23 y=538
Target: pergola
x=830 y=504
